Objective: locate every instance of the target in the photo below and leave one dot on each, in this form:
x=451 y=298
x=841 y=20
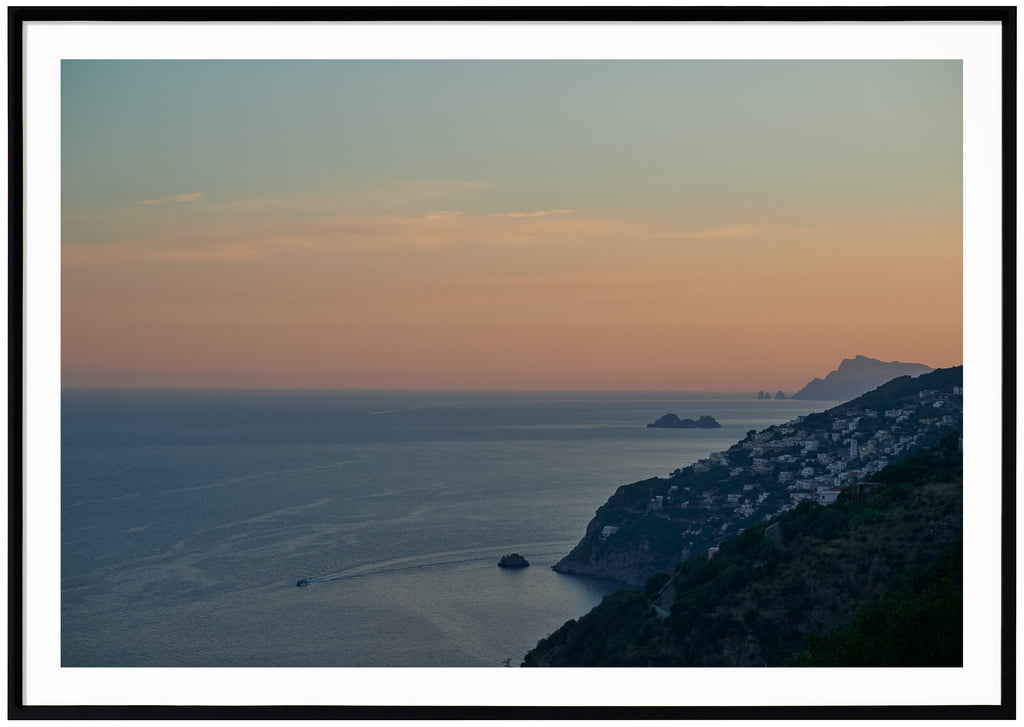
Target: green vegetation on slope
x=918 y=623
x=874 y=579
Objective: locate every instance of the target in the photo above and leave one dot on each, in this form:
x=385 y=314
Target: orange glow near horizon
x=713 y=246
x=580 y=313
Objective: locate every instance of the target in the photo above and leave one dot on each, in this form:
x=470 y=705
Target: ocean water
x=187 y=517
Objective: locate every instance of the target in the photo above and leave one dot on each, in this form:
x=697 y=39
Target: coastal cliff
x=650 y=526
x=625 y=541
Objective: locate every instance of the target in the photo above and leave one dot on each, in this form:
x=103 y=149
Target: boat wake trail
x=445 y=558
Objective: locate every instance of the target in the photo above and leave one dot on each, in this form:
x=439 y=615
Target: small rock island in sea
x=513 y=561
x=671 y=421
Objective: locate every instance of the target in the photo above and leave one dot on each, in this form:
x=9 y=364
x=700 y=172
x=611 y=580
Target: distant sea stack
x=671 y=421
x=513 y=560
x=856 y=376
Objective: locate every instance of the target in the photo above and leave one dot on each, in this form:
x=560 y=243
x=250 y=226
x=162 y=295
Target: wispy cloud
x=121 y=253
x=189 y=197
x=540 y=213
x=807 y=230
x=726 y=232
x=247 y=229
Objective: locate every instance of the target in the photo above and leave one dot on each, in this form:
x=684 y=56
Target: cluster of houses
x=774 y=470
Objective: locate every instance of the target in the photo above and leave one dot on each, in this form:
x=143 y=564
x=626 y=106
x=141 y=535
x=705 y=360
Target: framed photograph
x=360 y=353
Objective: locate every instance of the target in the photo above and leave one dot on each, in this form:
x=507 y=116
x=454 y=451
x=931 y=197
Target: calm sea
x=188 y=516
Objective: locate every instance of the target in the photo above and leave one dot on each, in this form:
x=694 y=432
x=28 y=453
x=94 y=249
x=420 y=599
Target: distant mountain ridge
x=856 y=376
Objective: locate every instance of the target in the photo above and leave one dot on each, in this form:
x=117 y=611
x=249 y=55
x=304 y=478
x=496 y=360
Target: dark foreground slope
x=649 y=526
x=872 y=580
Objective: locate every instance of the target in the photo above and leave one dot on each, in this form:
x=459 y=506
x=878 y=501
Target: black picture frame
x=18 y=17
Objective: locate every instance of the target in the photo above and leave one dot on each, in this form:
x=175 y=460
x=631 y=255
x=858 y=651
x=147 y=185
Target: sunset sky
x=616 y=225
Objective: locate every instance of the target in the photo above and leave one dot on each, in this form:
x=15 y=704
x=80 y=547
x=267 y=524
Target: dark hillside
x=809 y=588
x=900 y=629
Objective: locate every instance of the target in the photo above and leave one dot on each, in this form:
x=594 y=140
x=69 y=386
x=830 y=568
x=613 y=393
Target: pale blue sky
x=661 y=138
x=503 y=224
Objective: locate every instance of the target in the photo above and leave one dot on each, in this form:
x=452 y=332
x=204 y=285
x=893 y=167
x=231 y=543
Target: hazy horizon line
x=413 y=389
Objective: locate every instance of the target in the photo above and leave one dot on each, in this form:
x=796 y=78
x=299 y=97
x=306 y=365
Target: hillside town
x=812 y=457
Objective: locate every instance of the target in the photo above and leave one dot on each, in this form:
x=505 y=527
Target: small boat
x=302 y=582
